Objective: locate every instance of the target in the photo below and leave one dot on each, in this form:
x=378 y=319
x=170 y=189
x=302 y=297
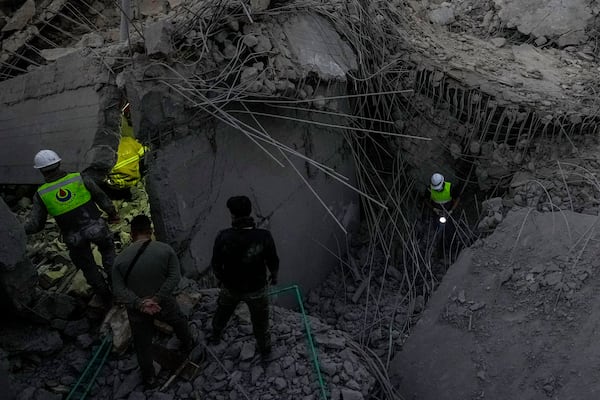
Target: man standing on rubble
x=445 y=197
x=73 y=200
x=241 y=256
x=144 y=277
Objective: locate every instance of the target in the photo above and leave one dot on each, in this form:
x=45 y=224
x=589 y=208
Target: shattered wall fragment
x=69 y=106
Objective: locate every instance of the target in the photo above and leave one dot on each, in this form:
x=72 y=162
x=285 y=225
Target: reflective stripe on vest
x=442 y=197
x=64 y=194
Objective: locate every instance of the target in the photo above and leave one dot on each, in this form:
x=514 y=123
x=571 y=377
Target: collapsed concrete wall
x=69 y=106
x=202 y=154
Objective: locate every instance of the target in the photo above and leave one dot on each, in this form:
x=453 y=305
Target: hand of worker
x=149 y=306
x=114 y=219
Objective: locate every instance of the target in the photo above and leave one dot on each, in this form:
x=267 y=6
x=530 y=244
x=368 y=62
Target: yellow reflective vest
x=443 y=196
x=64 y=194
x=126 y=172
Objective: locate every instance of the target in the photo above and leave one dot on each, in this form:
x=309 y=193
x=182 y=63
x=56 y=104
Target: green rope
x=311 y=345
x=85 y=382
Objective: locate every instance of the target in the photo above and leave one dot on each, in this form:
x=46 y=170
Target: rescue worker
x=445 y=197
x=73 y=200
x=241 y=257
x=144 y=277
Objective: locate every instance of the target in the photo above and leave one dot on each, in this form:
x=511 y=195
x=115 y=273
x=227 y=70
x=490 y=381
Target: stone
x=249 y=74
x=255 y=374
x=157 y=38
x=131 y=381
x=76 y=328
x=36 y=341
x=259 y=5
x=498 y=42
x=474 y=147
x=264 y=44
x=328 y=368
x=185 y=388
x=84 y=341
x=151 y=7
x=21 y=18
x=137 y=396
x=250 y=40
x=540 y=41
x=349 y=394
x=442 y=16
x=162 y=396
x=248 y=351
x=56 y=53
x=92 y=39
x=42 y=394
x=280 y=384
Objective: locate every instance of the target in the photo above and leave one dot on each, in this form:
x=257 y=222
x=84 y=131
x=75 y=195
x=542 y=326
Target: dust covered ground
x=517 y=313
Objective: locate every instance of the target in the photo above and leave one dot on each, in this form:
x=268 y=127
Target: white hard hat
x=45 y=158
x=437 y=181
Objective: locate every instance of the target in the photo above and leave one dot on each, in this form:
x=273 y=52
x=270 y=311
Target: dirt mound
x=514 y=318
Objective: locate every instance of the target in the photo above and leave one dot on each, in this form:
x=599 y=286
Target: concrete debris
x=444 y=15
x=56 y=53
x=259 y=5
x=21 y=18
x=566 y=22
x=157 y=38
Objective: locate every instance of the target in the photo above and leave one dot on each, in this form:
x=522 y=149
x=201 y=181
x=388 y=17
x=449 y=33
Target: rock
x=92 y=39
x=474 y=147
x=349 y=394
x=540 y=41
x=553 y=278
x=280 y=384
x=56 y=53
x=255 y=374
x=84 y=341
x=229 y=51
x=442 y=16
x=42 y=394
x=76 y=328
x=498 y=42
x=162 y=396
x=185 y=388
x=137 y=396
x=131 y=381
x=264 y=45
x=157 y=38
x=248 y=351
x=151 y=7
x=249 y=74
x=250 y=40
x=259 y=5
x=328 y=368
x=38 y=341
x=21 y=18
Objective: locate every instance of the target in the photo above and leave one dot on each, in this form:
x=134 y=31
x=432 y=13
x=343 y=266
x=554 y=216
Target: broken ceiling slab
x=566 y=21
x=317 y=47
x=69 y=106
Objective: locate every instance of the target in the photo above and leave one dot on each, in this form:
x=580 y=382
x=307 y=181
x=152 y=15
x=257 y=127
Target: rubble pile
x=232 y=369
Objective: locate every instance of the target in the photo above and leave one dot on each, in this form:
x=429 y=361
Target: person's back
x=245 y=255
x=241 y=256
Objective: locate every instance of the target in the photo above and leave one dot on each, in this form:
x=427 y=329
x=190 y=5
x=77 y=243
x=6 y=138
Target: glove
x=114 y=219
x=273 y=280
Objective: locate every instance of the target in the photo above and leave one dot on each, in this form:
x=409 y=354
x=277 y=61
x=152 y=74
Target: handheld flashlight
x=443 y=220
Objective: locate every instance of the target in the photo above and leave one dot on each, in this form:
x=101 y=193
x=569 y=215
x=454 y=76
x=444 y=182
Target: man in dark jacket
x=71 y=199
x=144 y=277
x=241 y=256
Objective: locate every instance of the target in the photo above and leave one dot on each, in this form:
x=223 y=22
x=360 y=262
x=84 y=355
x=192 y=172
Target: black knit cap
x=141 y=223
x=239 y=206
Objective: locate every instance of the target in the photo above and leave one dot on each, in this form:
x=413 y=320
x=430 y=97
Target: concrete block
x=157 y=38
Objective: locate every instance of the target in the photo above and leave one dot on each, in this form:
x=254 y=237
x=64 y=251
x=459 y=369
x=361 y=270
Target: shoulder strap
x=139 y=253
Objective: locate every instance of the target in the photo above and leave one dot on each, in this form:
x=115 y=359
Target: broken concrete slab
x=21 y=18
x=317 y=47
x=564 y=21
x=157 y=38
x=70 y=106
x=460 y=347
x=443 y=15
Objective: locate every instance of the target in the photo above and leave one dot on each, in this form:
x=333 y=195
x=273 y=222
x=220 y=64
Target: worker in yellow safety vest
x=126 y=172
x=444 y=196
x=73 y=200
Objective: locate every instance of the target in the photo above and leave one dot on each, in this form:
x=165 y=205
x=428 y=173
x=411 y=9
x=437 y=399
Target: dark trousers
x=142 y=331
x=80 y=251
x=258 y=304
